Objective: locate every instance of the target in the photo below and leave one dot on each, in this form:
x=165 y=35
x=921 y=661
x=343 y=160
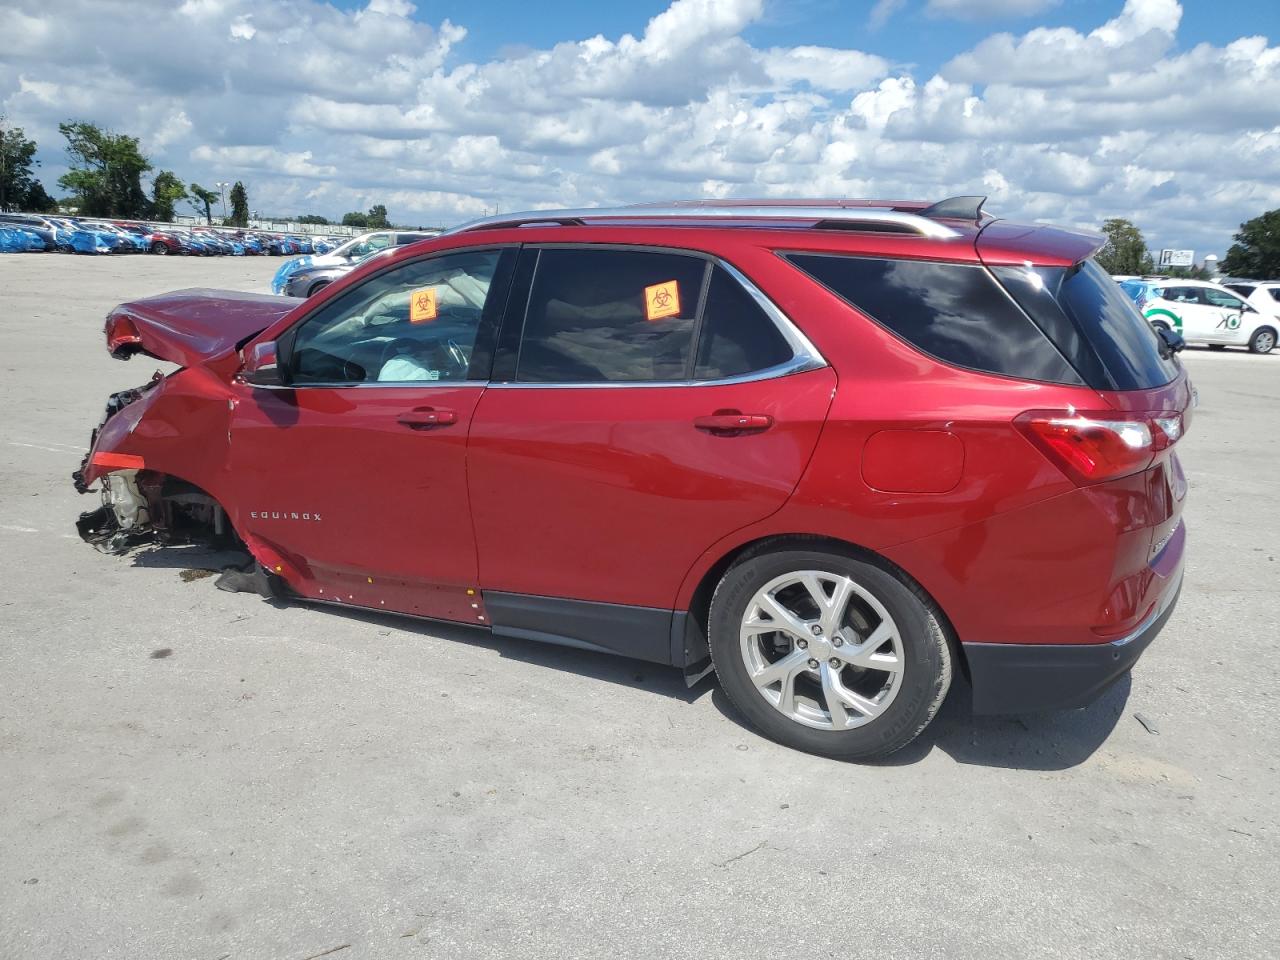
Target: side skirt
x=640 y=632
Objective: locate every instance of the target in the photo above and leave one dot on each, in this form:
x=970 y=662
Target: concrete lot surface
x=186 y=773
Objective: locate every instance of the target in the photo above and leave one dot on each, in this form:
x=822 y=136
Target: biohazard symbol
x=662 y=300
x=422 y=305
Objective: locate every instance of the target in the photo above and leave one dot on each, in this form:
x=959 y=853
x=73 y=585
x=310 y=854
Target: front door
x=1228 y=314
x=654 y=406
x=352 y=481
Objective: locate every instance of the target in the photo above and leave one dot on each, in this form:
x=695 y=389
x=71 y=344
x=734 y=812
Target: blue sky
x=1069 y=111
x=909 y=37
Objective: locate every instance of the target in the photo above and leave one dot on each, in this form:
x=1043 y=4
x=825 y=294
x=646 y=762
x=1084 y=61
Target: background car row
x=1219 y=315
x=31 y=233
x=306 y=275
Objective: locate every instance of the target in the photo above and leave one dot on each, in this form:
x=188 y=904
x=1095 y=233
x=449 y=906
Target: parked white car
x=1204 y=312
x=1263 y=294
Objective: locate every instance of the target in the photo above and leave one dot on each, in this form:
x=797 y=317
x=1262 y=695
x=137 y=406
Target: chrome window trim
x=805 y=355
x=377 y=384
x=794 y=365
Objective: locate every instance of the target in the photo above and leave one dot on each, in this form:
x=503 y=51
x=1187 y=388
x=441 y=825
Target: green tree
x=355 y=219
x=377 y=218
x=202 y=198
x=166 y=191
x=1186 y=273
x=239 y=206
x=313 y=218
x=17 y=158
x=1256 y=252
x=106 y=172
x=38 y=201
x=1125 y=250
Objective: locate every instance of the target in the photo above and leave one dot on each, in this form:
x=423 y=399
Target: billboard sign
x=1177 y=258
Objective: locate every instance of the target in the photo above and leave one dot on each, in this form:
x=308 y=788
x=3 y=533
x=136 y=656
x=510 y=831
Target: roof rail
x=823 y=217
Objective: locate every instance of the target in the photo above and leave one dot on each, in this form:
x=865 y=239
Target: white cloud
x=883 y=12
x=987 y=9
x=326 y=110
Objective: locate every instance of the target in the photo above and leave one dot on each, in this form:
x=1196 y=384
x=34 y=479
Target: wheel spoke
x=780 y=669
x=833 y=610
x=787 y=693
x=783 y=618
x=835 y=704
x=866 y=654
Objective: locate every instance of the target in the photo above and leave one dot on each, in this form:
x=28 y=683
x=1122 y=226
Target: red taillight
x=1093 y=446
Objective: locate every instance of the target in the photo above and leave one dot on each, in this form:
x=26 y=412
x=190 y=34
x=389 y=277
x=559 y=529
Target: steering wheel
x=451 y=354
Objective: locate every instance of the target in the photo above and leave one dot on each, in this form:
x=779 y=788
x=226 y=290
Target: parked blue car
x=19 y=240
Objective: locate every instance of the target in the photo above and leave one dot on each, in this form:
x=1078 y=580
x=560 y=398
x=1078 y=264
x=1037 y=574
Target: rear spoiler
x=1002 y=243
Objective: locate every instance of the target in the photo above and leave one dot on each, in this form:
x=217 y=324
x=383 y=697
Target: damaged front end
x=141 y=505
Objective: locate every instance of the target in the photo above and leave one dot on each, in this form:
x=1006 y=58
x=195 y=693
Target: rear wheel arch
x=1254 y=342
x=699 y=607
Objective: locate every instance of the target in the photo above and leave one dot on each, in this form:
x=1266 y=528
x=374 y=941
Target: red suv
x=835 y=451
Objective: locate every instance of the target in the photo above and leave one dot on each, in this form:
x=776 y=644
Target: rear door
x=645 y=404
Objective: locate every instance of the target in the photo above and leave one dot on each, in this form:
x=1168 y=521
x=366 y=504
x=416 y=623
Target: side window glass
x=1220 y=299
x=605 y=316
x=955 y=312
x=737 y=337
x=416 y=322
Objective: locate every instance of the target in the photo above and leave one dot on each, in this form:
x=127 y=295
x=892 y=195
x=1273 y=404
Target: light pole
x=223 y=188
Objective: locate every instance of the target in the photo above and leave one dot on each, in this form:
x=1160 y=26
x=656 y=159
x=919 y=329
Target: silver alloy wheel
x=822 y=650
x=1264 y=342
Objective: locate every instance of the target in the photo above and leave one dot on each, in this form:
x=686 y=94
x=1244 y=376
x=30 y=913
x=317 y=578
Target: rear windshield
x=1098 y=328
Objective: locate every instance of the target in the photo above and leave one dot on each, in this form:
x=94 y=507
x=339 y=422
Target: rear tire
x=159 y=249
x=837 y=696
x=1263 y=340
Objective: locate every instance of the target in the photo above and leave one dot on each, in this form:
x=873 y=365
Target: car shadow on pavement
x=1039 y=741
x=1056 y=740
x=1047 y=741
x=637 y=674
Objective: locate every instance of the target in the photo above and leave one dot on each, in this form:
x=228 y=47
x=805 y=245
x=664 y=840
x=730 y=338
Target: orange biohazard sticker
x=422 y=305
x=662 y=300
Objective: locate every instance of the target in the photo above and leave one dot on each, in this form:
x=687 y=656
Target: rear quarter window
x=954 y=312
x=1119 y=348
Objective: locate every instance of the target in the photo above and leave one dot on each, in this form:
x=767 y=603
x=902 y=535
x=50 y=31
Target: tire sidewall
x=927 y=659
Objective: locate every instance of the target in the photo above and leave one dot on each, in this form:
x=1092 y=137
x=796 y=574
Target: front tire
x=317 y=287
x=159 y=249
x=828 y=654
x=1263 y=340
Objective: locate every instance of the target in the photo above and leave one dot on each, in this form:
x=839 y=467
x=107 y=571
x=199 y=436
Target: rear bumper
x=1029 y=678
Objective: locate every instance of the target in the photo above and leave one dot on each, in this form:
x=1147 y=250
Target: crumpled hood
x=191 y=326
